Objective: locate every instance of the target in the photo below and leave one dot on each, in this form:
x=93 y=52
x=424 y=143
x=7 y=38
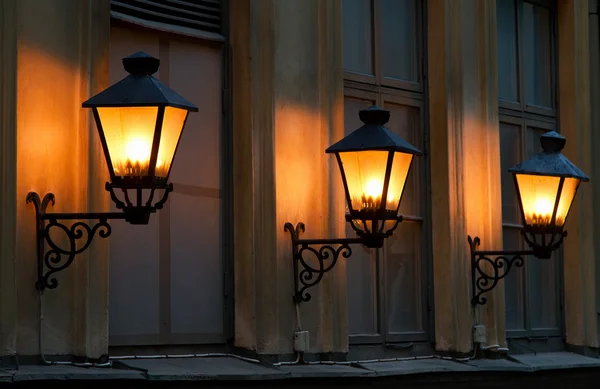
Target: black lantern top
x=140 y=88
x=550 y=162
x=140 y=122
x=373 y=135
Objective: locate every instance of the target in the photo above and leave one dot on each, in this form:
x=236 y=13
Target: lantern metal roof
x=550 y=162
x=140 y=88
x=373 y=135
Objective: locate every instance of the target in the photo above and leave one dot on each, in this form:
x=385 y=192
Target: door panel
x=166 y=279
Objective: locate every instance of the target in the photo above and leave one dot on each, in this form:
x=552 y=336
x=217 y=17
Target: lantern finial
x=552 y=142
x=141 y=64
x=374 y=116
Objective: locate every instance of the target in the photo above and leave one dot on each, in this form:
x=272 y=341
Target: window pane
x=514 y=283
x=361 y=278
x=361 y=271
x=514 y=287
x=537 y=58
x=507 y=51
x=510 y=155
x=357 y=36
x=542 y=274
x=399 y=39
x=544 y=292
x=533 y=141
x=405 y=121
x=403 y=257
x=404 y=279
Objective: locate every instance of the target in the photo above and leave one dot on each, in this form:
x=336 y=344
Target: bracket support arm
x=78 y=237
x=489 y=267
x=326 y=253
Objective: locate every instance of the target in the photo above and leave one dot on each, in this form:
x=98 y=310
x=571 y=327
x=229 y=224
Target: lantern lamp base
x=373 y=241
x=138 y=215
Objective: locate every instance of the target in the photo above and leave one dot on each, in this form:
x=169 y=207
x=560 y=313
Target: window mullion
x=376 y=42
x=520 y=72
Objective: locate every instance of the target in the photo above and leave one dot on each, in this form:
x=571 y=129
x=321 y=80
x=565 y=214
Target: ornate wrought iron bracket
x=307 y=275
x=489 y=267
x=79 y=236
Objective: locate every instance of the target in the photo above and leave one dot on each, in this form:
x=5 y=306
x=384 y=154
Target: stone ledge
x=232 y=369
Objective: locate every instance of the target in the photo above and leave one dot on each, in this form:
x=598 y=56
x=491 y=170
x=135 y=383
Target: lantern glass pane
x=365 y=175
x=129 y=132
x=400 y=168
x=566 y=199
x=171 y=131
x=538 y=196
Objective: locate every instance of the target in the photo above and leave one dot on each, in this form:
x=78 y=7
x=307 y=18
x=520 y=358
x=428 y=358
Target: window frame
x=522 y=105
x=527 y=116
x=382 y=90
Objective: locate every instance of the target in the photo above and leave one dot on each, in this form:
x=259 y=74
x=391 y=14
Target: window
x=527 y=102
x=388 y=289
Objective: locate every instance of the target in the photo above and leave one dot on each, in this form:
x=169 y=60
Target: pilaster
x=465 y=164
x=287 y=108
x=59 y=65
x=575 y=124
x=8 y=165
x=594 y=52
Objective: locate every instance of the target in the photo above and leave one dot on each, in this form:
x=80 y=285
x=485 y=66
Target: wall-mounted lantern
x=374 y=164
x=546 y=185
x=139 y=121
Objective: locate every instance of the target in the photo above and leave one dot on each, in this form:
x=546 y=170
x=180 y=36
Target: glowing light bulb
x=371 y=196
x=138 y=150
x=542 y=211
x=373 y=188
x=543 y=207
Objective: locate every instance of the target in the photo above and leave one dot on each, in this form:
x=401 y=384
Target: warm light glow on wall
x=129 y=133
x=539 y=195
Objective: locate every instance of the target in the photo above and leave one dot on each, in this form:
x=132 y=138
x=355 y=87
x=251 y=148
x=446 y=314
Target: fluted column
x=62 y=58
x=581 y=314
x=465 y=164
x=287 y=108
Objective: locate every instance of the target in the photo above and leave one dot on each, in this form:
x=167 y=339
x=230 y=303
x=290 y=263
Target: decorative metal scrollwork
x=58 y=258
x=326 y=257
x=489 y=267
x=78 y=236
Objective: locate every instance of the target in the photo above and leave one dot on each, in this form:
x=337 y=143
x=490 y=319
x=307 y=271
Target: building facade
x=472 y=83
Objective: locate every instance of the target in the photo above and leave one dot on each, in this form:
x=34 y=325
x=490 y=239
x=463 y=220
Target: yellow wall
x=59 y=65
x=287 y=108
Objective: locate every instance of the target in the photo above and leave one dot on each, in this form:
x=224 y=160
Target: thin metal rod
x=502 y=252
x=82 y=216
x=328 y=241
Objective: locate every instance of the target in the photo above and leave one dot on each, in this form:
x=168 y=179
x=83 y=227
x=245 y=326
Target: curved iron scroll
x=78 y=237
x=326 y=257
x=489 y=267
